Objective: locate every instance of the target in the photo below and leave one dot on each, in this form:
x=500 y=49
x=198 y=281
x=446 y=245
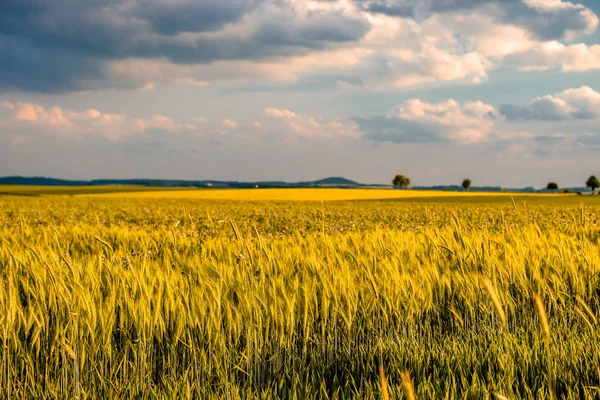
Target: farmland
x=237 y=294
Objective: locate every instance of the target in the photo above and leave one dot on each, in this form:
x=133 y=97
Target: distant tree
x=401 y=180
x=466 y=184
x=552 y=186
x=592 y=183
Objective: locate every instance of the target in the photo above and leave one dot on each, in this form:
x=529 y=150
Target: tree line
x=592 y=183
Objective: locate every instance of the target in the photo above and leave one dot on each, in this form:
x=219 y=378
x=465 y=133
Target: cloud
x=77 y=40
x=415 y=121
x=310 y=127
x=7 y=105
x=582 y=103
x=545 y=19
x=429 y=64
x=459 y=40
x=571 y=144
x=279 y=70
x=589 y=140
x=68 y=124
x=553 y=138
x=555 y=55
x=558 y=19
x=100 y=44
x=172 y=18
x=31 y=66
x=227 y=123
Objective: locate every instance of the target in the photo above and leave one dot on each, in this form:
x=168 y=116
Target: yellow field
x=177 y=294
x=297 y=194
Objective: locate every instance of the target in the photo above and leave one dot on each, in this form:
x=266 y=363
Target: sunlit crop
x=142 y=296
x=297 y=194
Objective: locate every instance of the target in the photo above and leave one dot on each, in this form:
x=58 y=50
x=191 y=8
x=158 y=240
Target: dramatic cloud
x=582 y=103
x=77 y=39
x=66 y=45
x=415 y=121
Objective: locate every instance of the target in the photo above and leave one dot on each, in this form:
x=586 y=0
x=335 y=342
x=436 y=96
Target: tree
x=552 y=186
x=466 y=184
x=592 y=183
x=401 y=180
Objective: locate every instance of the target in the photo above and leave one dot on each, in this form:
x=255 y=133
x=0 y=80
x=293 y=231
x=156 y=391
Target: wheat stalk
x=489 y=287
x=407 y=384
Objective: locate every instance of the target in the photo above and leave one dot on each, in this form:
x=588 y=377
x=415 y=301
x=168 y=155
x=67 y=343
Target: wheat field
x=161 y=296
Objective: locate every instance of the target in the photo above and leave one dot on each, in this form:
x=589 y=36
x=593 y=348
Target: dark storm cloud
x=169 y=18
x=28 y=66
x=314 y=33
x=61 y=45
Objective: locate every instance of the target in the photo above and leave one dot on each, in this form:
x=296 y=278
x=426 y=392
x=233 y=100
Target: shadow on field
x=19 y=194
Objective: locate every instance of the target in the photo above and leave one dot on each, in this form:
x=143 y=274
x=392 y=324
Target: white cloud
x=190 y=81
x=579 y=103
x=69 y=124
x=506 y=44
x=311 y=127
x=7 y=105
x=552 y=5
x=275 y=70
x=149 y=86
x=159 y=122
x=430 y=64
x=229 y=124
x=413 y=121
x=470 y=122
x=519 y=149
x=555 y=55
x=465 y=43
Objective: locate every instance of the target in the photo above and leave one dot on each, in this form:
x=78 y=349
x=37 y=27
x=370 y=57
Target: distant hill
x=334 y=181
x=44 y=181
x=40 y=181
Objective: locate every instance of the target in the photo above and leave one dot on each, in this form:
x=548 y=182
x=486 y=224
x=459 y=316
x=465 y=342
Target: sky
x=505 y=92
